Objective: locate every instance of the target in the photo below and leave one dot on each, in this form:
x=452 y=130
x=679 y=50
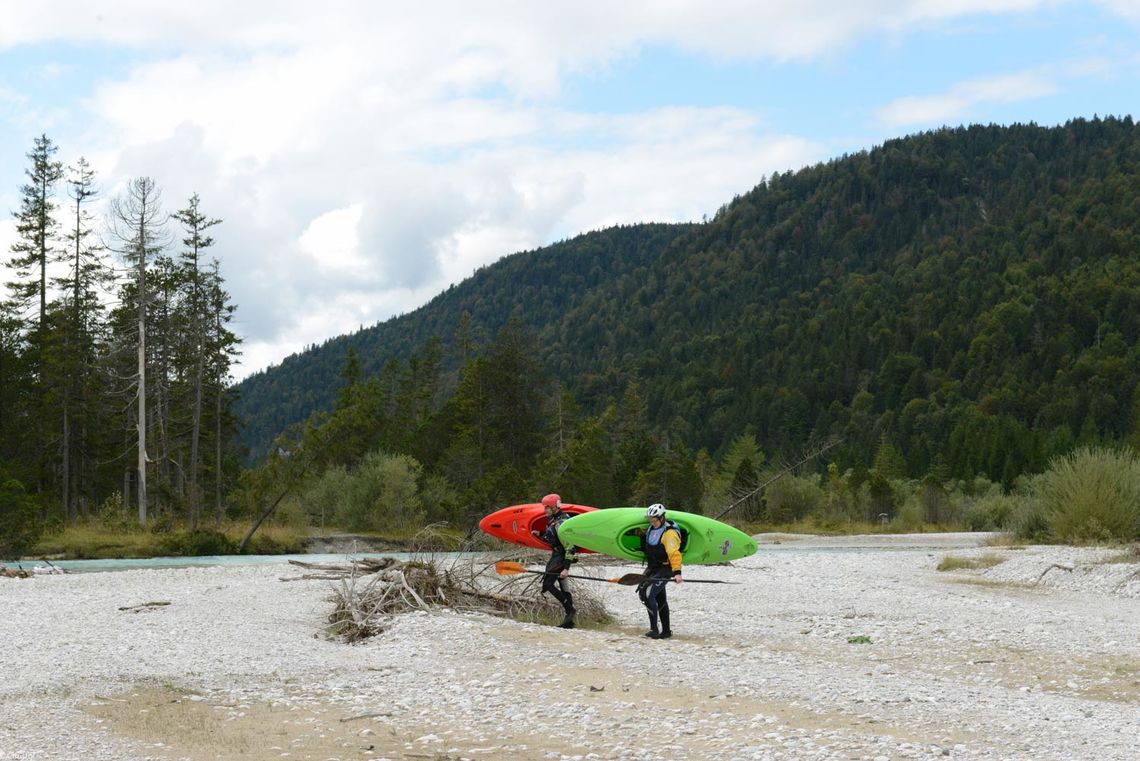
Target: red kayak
x=513 y=524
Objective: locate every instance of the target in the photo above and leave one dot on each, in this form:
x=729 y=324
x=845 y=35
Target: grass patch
x=956 y=563
x=95 y=540
x=824 y=527
x=859 y=639
x=1006 y=540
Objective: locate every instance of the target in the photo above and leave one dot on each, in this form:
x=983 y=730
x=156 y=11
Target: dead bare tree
x=138 y=223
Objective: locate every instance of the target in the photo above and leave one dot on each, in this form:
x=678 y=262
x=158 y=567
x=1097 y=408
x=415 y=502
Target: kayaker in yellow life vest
x=662 y=547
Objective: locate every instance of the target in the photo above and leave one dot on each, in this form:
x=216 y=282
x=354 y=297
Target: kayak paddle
x=507 y=568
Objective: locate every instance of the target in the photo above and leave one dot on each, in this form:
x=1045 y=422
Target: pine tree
x=81 y=339
x=15 y=383
x=37 y=229
x=33 y=252
x=221 y=349
x=195 y=224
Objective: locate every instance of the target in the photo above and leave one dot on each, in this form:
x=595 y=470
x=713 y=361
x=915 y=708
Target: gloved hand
x=571 y=557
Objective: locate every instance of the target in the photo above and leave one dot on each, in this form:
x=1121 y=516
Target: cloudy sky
x=364 y=155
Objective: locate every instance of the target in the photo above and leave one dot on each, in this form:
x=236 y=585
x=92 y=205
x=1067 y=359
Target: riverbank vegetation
x=957 y=311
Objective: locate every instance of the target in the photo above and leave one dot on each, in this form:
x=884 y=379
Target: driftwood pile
x=19 y=572
x=337 y=571
x=371 y=593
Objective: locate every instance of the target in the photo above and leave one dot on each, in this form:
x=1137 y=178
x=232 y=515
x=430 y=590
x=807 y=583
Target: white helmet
x=656 y=510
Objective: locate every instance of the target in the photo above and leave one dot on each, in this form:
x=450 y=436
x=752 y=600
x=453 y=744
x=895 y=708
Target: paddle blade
x=633 y=579
x=629 y=580
x=507 y=568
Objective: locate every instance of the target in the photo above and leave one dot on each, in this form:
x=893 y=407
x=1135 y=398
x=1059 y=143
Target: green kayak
x=614 y=531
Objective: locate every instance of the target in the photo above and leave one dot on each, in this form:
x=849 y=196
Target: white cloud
x=956 y=103
x=365 y=156
x=522 y=44
x=331 y=240
x=8 y=237
x=1128 y=9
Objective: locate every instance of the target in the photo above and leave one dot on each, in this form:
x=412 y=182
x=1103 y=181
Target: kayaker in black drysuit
x=558 y=567
x=662 y=547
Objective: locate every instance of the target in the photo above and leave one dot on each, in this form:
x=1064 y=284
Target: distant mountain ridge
x=540 y=287
x=969 y=297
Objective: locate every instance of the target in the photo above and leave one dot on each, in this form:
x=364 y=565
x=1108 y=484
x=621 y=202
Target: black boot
x=653 y=633
x=666 y=632
x=568 y=606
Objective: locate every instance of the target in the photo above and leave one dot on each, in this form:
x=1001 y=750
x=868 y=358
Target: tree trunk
x=221 y=511
x=65 y=481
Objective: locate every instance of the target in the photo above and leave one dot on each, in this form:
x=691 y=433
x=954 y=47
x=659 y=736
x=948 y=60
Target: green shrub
x=113 y=515
x=322 y=500
x=193 y=543
x=440 y=500
x=1029 y=522
x=793 y=498
x=161 y=523
x=990 y=513
x=291 y=512
x=19 y=523
x=54 y=526
x=1091 y=495
x=262 y=543
x=380 y=495
x=910 y=517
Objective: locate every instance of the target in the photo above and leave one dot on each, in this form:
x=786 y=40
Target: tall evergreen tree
x=196 y=241
x=14 y=389
x=33 y=252
x=37 y=228
x=87 y=277
x=222 y=349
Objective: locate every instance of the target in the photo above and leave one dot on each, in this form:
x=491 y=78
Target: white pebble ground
x=845 y=648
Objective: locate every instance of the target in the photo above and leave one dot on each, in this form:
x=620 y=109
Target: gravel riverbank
x=846 y=648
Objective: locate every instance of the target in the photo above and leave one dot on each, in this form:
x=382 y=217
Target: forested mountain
x=969 y=296
x=540 y=288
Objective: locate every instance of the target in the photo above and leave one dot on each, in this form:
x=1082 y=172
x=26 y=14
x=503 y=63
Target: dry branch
x=364 y=607
x=145 y=606
x=1050 y=568
x=364 y=716
x=336 y=571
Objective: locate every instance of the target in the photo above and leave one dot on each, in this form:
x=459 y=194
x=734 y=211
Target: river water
x=768 y=544
x=127 y=564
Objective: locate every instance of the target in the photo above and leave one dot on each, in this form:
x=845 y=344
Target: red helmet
x=552 y=500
